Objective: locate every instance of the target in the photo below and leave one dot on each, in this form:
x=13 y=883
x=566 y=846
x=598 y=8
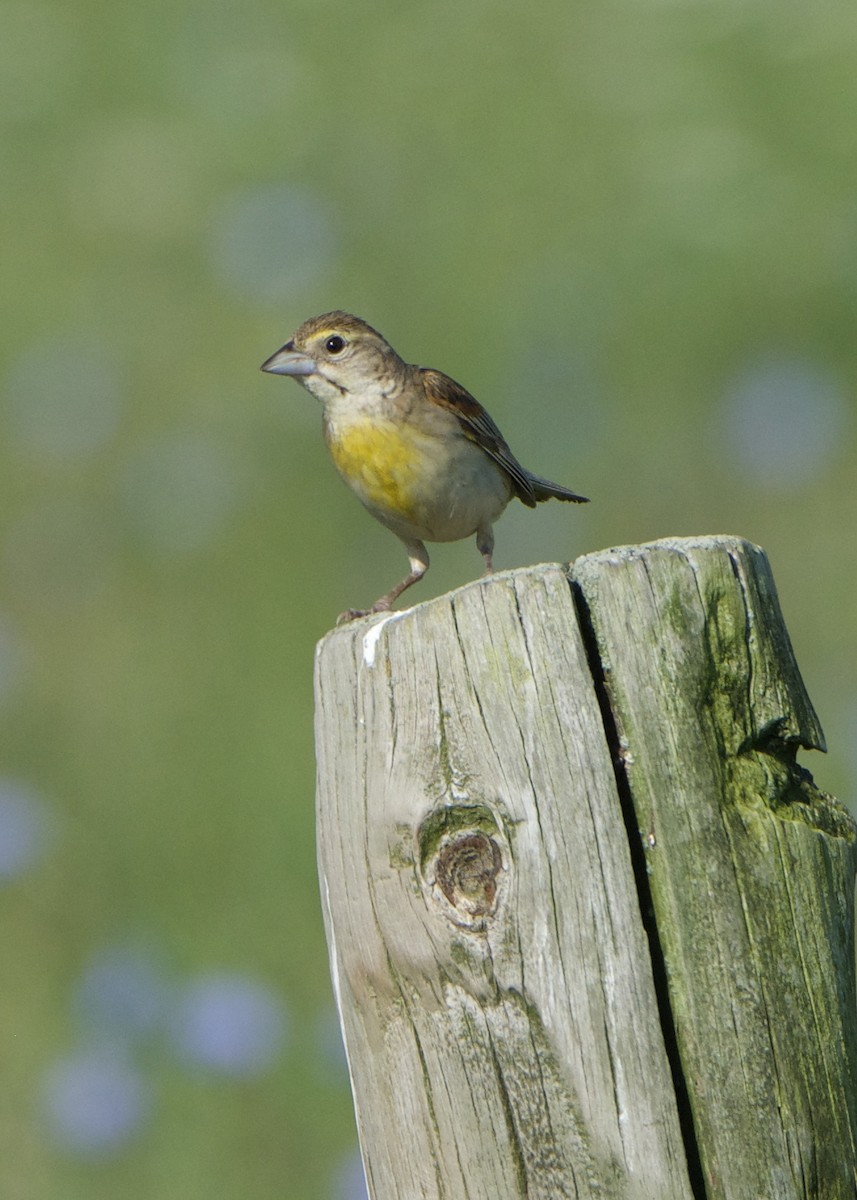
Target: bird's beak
x=289 y=361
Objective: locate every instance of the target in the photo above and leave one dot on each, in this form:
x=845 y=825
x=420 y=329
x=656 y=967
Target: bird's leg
x=419 y=560
x=485 y=546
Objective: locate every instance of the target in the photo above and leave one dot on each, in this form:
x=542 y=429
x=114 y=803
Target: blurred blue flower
x=785 y=420
x=350 y=1183
x=179 y=489
x=94 y=1101
x=63 y=398
x=122 y=991
x=273 y=243
x=331 y=1048
x=24 y=828
x=229 y=1023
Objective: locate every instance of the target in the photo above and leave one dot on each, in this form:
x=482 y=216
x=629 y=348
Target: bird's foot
x=352 y=614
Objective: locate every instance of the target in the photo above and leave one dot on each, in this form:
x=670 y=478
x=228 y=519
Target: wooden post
x=591 y=927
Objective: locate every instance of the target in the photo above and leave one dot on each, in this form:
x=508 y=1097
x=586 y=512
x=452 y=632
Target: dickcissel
x=418 y=451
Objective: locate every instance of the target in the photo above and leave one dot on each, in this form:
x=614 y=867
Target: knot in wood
x=466 y=871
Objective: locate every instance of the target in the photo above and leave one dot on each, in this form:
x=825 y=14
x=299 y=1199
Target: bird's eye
x=335 y=344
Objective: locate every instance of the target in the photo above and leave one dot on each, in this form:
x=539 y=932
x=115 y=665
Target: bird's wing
x=478 y=427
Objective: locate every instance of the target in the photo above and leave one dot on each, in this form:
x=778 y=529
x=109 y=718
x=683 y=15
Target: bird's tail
x=543 y=489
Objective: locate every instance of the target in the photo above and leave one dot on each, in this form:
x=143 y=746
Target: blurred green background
x=629 y=228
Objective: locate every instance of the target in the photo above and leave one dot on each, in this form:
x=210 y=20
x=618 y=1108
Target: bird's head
x=337 y=354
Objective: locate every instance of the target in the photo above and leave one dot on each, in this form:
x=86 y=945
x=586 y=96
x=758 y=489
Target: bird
x=419 y=452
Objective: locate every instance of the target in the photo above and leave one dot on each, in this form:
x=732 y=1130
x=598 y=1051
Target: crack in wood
x=641 y=876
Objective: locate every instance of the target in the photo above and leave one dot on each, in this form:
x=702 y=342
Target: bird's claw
x=351 y=614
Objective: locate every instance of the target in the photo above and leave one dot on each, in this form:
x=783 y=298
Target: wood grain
x=590 y=925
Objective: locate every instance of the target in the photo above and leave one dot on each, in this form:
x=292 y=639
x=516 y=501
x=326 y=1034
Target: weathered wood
x=492 y=969
x=508 y=1023
x=751 y=867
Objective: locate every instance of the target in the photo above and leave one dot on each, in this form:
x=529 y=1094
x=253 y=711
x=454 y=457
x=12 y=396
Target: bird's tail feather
x=543 y=489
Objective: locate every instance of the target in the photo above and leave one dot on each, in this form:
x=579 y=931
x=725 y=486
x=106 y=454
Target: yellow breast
x=382 y=464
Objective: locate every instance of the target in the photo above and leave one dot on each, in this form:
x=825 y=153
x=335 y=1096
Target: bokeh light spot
x=332 y=1055
x=272 y=243
x=94 y=1102
x=24 y=828
x=122 y=991
x=784 y=421
x=350 y=1182
x=230 y=1023
x=179 y=490
x=63 y=398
